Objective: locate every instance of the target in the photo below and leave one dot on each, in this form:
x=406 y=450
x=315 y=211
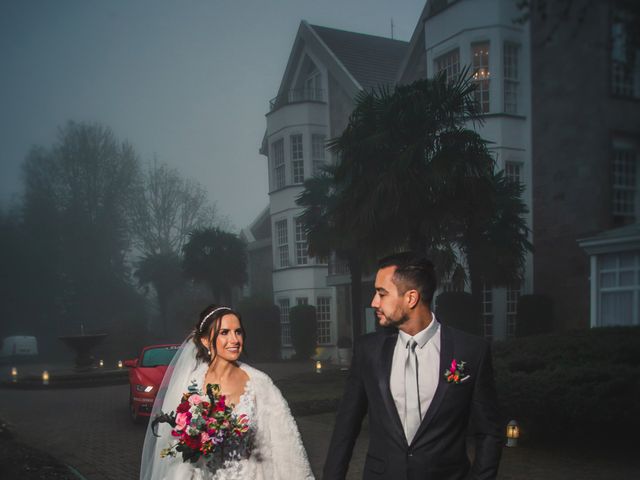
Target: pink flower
x=182 y=419
x=195 y=399
x=454 y=366
x=204 y=437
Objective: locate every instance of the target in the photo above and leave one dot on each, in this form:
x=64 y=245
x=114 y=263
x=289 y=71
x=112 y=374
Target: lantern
x=119 y=363
x=101 y=363
x=513 y=433
x=318 y=366
x=45 y=378
x=14 y=374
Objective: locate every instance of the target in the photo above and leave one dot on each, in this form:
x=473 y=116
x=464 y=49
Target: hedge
x=579 y=384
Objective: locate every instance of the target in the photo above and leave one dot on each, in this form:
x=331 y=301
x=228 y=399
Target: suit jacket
x=438 y=450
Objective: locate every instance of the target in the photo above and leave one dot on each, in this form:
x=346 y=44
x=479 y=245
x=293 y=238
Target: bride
x=210 y=356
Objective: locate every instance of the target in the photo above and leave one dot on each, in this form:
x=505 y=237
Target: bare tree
x=75 y=202
x=166 y=209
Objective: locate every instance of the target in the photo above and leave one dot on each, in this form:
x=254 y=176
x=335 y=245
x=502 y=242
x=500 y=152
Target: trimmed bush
x=261 y=320
x=585 y=383
x=456 y=309
x=535 y=315
x=302 y=319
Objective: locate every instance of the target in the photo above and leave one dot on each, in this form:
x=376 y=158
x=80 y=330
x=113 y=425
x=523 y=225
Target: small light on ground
x=513 y=433
x=14 y=374
x=318 y=366
x=101 y=363
x=119 y=363
x=45 y=377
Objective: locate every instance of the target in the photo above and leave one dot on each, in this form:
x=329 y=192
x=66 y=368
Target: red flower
x=221 y=405
x=192 y=442
x=183 y=407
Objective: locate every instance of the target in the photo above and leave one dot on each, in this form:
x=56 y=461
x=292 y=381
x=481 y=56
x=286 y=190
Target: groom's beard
x=394 y=322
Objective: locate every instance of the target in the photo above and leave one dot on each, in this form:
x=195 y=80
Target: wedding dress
x=277 y=454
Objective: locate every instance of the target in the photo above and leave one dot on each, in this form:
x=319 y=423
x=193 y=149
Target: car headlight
x=144 y=388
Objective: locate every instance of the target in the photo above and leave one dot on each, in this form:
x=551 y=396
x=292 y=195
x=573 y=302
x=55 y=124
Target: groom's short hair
x=413 y=271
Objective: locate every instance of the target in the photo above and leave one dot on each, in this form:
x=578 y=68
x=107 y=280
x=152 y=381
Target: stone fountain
x=82 y=345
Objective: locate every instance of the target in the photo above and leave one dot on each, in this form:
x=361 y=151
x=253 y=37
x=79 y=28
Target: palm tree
x=412 y=175
x=327 y=233
x=217 y=259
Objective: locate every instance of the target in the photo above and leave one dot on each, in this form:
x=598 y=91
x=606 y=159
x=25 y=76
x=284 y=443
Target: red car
x=145 y=377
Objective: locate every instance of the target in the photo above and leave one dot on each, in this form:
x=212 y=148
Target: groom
x=421 y=406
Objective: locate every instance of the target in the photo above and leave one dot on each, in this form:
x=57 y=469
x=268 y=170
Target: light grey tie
x=413 y=415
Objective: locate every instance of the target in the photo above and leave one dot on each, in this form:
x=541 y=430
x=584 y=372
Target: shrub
x=456 y=309
x=261 y=320
x=535 y=315
x=585 y=382
x=302 y=319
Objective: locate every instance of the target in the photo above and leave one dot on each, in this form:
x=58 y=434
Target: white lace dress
x=278 y=453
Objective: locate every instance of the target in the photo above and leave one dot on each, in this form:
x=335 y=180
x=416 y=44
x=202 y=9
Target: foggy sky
x=188 y=80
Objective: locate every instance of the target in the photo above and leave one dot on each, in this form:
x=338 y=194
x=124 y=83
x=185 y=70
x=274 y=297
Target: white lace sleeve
x=278 y=436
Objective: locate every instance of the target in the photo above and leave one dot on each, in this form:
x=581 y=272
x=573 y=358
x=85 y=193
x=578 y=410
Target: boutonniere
x=457 y=372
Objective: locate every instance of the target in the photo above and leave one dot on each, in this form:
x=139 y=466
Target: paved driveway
x=90 y=430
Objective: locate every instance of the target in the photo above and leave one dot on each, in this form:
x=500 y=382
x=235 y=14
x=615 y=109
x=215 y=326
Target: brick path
x=89 y=429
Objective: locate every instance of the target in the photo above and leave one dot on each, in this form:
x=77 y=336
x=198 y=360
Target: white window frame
x=285 y=324
x=514 y=171
x=302 y=247
x=617 y=285
x=511 y=77
x=513 y=295
x=282 y=242
x=625 y=181
x=297 y=158
x=279 y=175
x=480 y=60
x=625 y=82
x=318 y=142
x=323 y=318
x=450 y=64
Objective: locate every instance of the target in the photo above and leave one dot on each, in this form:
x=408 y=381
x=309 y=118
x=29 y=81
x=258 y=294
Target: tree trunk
x=357 y=308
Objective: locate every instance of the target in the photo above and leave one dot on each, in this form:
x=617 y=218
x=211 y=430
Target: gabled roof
x=372 y=61
x=616 y=239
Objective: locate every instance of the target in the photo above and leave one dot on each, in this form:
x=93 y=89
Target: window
x=302 y=256
x=619 y=289
x=511 y=78
x=481 y=75
x=297 y=160
x=302 y=301
x=625 y=180
x=625 y=64
x=285 y=326
x=313 y=86
x=277 y=149
x=323 y=316
x=487 y=311
x=282 y=241
x=317 y=152
x=513 y=171
x=513 y=295
x=449 y=63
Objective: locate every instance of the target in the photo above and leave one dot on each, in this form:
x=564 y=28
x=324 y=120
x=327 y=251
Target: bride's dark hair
x=210 y=319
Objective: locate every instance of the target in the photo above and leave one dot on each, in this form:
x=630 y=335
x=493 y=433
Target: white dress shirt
x=428 y=355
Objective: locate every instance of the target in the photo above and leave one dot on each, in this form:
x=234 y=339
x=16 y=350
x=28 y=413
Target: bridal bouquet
x=205 y=426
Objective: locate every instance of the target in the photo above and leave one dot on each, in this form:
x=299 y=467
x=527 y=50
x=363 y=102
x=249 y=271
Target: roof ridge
x=359 y=33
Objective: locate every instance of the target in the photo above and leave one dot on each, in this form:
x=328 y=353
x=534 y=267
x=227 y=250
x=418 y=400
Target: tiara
x=209 y=314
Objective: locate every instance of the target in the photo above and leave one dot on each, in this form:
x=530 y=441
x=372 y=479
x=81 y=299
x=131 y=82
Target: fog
x=188 y=81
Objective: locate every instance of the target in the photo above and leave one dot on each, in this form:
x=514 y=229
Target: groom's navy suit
x=438 y=450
